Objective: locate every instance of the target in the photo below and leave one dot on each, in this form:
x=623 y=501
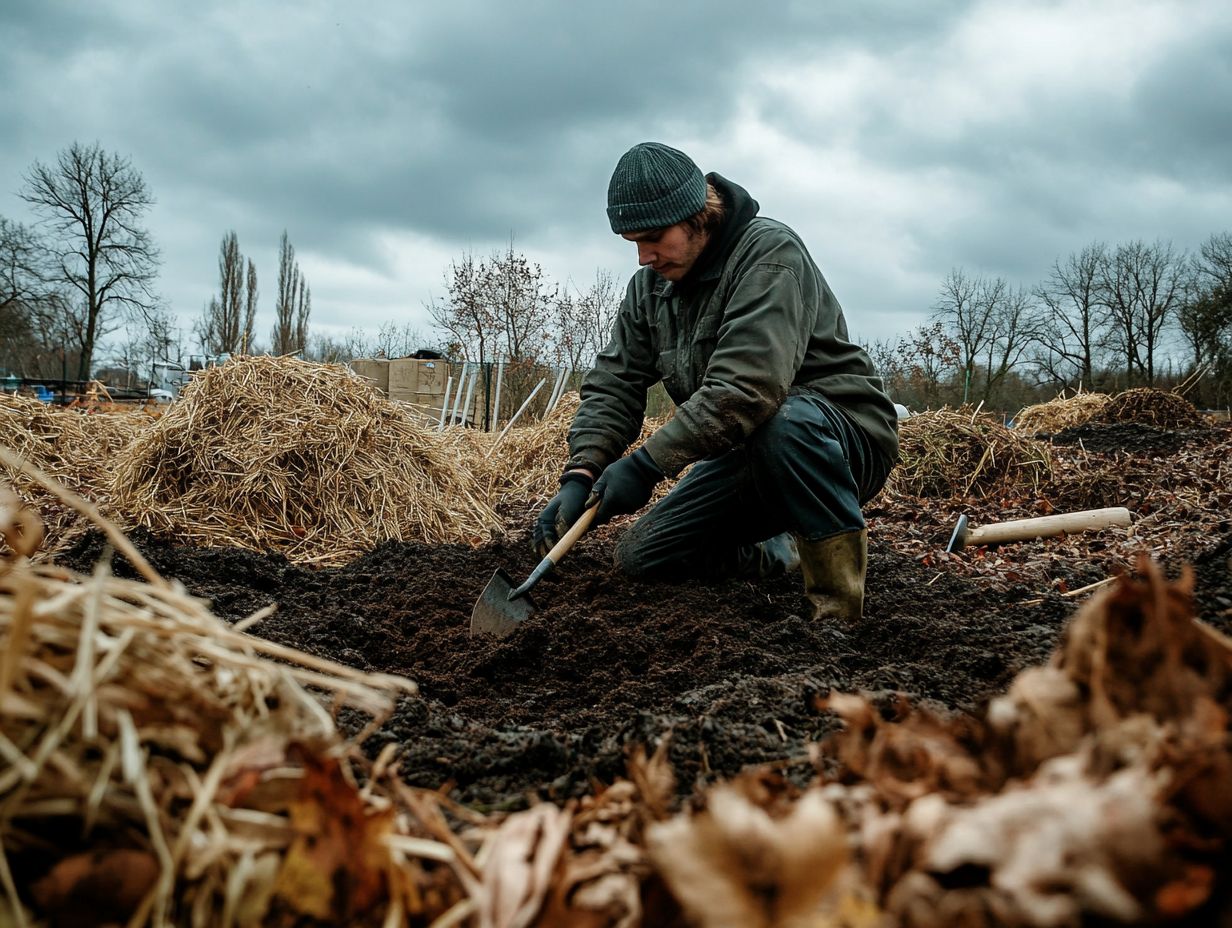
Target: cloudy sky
x=901 y=139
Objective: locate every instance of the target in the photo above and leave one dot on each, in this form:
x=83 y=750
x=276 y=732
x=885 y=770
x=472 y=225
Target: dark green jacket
x=753 y=321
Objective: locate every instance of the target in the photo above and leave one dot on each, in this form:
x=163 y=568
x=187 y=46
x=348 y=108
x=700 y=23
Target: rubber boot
x=834 y=571
x=777 y=556
x=765 y=560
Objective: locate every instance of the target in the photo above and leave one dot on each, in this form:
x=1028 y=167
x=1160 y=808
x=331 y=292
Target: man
x=787 y=425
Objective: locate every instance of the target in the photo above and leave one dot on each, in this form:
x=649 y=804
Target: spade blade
x=495 y=613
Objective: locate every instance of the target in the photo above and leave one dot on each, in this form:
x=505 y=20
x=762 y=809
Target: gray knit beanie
x=653 y=186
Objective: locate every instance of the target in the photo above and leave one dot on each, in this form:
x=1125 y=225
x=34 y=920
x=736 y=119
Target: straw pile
x=172 y=749
x=1158 y=408
x=946 y=453
x=73 y=447
x=283 y=455
x=523 y=471
x=1061 y=413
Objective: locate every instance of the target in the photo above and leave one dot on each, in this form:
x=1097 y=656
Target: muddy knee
x=638 y=555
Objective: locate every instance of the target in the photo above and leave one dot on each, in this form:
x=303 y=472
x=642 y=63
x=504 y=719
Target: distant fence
x=483 y=396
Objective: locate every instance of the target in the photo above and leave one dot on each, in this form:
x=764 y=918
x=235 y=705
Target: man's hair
x=710 y=216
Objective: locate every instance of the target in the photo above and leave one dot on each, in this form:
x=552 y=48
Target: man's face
x=671 y=251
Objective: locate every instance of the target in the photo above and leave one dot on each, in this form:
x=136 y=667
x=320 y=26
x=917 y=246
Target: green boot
x=833 y=571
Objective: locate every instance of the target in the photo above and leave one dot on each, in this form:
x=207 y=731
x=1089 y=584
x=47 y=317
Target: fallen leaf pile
x=1099 y=786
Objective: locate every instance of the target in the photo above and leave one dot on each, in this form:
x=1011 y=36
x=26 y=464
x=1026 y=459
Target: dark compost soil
x=605 y=663
x=1128 y=437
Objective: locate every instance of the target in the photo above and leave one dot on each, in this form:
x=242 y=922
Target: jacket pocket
x=673 y=377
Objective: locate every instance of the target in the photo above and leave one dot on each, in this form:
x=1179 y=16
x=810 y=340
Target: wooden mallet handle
x=1047 y=526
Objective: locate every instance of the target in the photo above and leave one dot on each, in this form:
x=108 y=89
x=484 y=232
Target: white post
x=457 y=394
x=509 y=424
x=470 y=393
x=445 y=402
x=564 y=382
x=500 y=372
x=560 y=379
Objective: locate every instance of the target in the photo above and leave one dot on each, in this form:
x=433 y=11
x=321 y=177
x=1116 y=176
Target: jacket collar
x=741 y=208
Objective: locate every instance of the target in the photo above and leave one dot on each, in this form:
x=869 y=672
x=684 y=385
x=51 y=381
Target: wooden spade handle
x=1047 y=526
x=561 y=548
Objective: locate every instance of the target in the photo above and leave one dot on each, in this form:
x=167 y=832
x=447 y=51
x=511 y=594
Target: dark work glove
x=563 y=510
x=625 y=486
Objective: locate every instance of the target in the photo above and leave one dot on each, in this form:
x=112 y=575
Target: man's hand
x=564 y=509
x=625 y=486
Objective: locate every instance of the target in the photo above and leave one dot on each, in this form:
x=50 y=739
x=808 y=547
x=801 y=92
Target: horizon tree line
x=1104 y=317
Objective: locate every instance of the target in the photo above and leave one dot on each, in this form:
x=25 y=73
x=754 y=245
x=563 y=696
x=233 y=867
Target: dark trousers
x=805 y=471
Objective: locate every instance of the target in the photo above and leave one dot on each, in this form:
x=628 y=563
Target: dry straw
x=177 y=749
x=278 y=454
x=522 y=472
x=71 y=445
x=1064 y=412
x=946 y=453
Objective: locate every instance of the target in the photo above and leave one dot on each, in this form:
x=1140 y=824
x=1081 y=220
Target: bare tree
x=1016 y=327
x=21 y=291
x=584 y=322
x=992 y=324
x=92 y=203
x=151 y=340
x=1206 y=320
x=293 y=304
x=324 y=347
x=959 y=309
x=21 y=267
x=467 y=312
x=1144 y=288
x=303 y=309
x=1215 y=260
x=521 y=298
x=918 y=367
x=228 y=321
x=964 y=306
x=1074 y=323
x=396 y=341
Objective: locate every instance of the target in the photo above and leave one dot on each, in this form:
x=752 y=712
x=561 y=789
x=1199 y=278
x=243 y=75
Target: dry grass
x=71 y=445
x=1061 y=413
x=947 y=453
x=278 y=454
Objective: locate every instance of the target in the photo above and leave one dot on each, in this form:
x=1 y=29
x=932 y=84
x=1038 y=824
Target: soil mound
x=1128 y=437
x=730 y=669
